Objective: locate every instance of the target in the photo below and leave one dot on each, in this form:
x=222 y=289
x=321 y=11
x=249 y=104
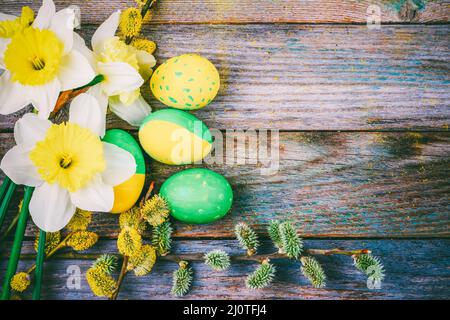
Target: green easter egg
x=197 y=195
x=175 y=137
x=186 y=82
x=127 y=193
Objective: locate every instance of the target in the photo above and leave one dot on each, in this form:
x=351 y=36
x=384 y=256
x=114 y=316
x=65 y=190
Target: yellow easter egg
x=175 y=137
x=127 y=193
x=186 y=82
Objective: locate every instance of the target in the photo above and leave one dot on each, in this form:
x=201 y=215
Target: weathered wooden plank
x=299 y=77
x=414 y=270
x=263 y=11
x=330 y=185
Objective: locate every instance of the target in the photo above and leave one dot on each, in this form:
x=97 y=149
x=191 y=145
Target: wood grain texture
x=328 y=77
x=261 y=11
x=414 y=269
x=330 y=185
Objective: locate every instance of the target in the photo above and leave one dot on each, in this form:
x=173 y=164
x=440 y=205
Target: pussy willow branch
x=200 y=256
x=123 y=269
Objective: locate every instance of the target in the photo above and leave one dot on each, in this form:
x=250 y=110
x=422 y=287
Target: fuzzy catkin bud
x=182 y=279
x=132 y=219
x=101 y=284
x=369 y=265
x=52 y=240
x=313 y=271
x=106 y=263
x=162 y=238
x=247 y=238
x=144 y=45
x=82 y=240
x=80 y=220
x=262 y=276
x=129 y=241
x=292 y=244
x=274 y=233
x=130 y=22
x=155 y=210
x=218 y=260
x=20 y=281
x=143 y=261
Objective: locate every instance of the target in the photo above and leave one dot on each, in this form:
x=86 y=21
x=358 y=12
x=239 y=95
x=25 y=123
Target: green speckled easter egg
x=127 y=193
x=186 y=82
x=197 y=195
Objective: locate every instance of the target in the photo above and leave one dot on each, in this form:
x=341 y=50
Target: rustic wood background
x=364 y=143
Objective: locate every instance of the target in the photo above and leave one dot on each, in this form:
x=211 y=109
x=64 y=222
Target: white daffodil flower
x=125 y=69
x=39 y=61
x=68 y=164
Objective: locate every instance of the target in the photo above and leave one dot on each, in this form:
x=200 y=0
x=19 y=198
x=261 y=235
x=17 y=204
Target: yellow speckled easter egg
x=186 y=82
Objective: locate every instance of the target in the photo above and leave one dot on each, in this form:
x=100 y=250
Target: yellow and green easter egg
x=186 y=82
x=197 y=195
x=127 y=193
x=175 y=137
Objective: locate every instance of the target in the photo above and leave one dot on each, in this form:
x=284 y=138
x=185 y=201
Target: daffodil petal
x=51 y=208
x=120 y=77
x=80 y=45
x=120 y=165
x=102 y=100
x=13 y=95
x=146 y=62
x=45 y=15
x=5 y=17
x=3 y=45
x=106 y=30
x=30 y=129
x=16 y=164
x=62 y=25
x=44 y=97
x=134 y=113
x=96 y=196
x=85 y=111
x=75 y=71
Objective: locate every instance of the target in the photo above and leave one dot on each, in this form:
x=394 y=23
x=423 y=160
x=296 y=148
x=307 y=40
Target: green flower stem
x=6 y=199
x=4 y=187
x=147 y=6
x=97 y=79
x=17 y=245
x=39 y=265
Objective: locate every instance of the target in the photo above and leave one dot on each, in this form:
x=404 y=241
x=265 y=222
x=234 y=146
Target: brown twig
x=149 y=192
x=200 y=256
x=61 y=245
x=122 y=274
x=65 y=97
